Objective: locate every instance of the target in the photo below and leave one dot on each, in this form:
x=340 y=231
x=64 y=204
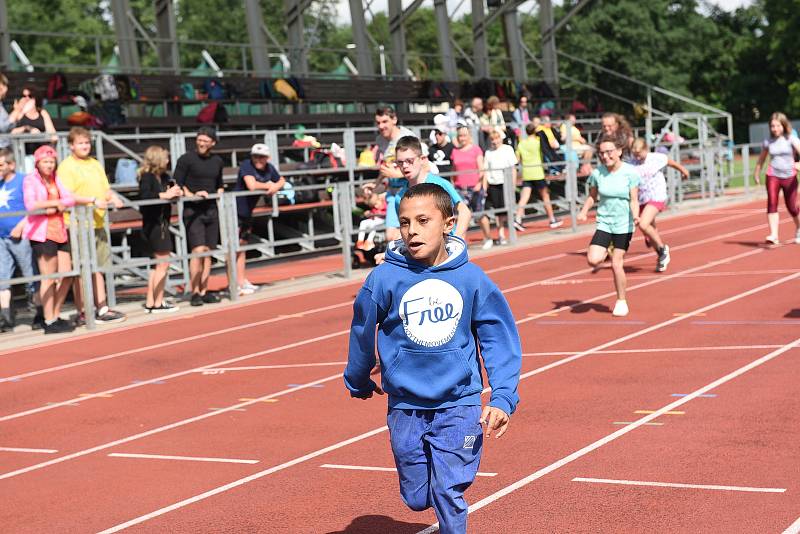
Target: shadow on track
x=577 y=306
x=371 y=524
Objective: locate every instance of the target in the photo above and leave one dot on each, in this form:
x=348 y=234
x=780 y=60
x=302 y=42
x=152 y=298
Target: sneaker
x=164 y=308
x=5 y=326
x=78 y=319
x=519 y=227
x=211 y=297
x=620 y=309
x=38 y=321
x=556 y=224
x=503 y=242
x=487 y=244
x=797 y=237
x=60 y=326
x=773 y=239
x=197 y=299
x=663 y=259
x=109 y=316
x=244 y=291
x=248 y=285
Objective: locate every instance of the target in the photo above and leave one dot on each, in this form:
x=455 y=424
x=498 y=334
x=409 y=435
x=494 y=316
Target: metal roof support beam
x=480 y=51
x=126 y=38
x=358 y=24
x=514 y=45
x=258 y=44
x=5 y=37
x=168 y=58
x=549 y=57
x=294 y=24
x=449 y=70
x=398 y=38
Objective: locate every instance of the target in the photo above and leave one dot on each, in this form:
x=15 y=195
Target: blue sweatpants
x=437 y=453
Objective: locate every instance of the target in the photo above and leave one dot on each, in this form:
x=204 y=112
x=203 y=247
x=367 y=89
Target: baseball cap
x=260 y=149
x=208 y=131
x=44 y=151
x=441 y=122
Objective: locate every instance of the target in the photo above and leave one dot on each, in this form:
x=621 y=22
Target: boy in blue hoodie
x=432 y=308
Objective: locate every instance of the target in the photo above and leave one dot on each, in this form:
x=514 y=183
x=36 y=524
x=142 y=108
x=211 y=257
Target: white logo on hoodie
x=430 y=311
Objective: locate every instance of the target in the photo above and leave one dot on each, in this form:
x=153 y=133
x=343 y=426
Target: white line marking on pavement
x=376 y=431
x=679 y=485
x=631 y=422
x=18 y=449
x=222 y=370
x=183 y=458
x=657 y=349
x=386 y=469
x=170 y=426
x=214 y=365
x=794 y=528
x=621 y=432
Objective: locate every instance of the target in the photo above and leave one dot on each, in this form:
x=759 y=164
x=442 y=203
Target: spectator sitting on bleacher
x=255 y=174
x=550 y=146
x=7 y=120
x=616 y=124
x=155 y=183
x=492 y=121
x=455 y=115
x=474 y=114
x=15 y=252
x=200 y=175
x=34 y=119
x=374 y=217
x=521 y=117
x=441 y=149
x=86 y=179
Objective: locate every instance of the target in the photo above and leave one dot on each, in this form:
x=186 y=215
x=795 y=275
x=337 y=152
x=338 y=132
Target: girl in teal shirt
x=614 y=186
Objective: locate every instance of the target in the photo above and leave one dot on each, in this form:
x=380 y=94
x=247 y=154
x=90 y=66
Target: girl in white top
x=781 y=174
x=497 y=160
x=653 y=195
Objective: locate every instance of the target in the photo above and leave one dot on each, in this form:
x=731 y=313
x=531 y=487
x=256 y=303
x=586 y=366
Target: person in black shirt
x=440 y=151
x=200 y=175
x=155 y=183
x=255 y=174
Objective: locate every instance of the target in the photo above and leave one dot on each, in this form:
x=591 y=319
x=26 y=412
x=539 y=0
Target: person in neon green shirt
x=529 y=153
x=86 y=179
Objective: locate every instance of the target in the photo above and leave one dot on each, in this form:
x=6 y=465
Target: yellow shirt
x=85 y=178
x=529 y=152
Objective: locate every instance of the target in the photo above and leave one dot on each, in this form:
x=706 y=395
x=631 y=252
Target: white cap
x=260 y=149
x=441 y=122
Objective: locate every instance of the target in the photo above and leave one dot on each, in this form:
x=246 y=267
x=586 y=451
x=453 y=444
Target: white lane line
x=631 y=422
x=713 y=239
x=376 y=431
x=20 y=449
x=621 y=432
x=794 y=528
x=679 y=485
x=606 y=279
x=242 y=481
x=214 y=365
x=177 y=424
x=281 y=318
x=781 y=322
x=221 y=370
x=171 y=342
x=657 y=349
x=383 y=469
x=182 y=458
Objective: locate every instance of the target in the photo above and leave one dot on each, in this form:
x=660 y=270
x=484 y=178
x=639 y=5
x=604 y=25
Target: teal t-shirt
x=614 y=196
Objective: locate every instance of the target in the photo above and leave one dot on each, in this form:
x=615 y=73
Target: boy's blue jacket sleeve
x=500 y=348
x=361 y=357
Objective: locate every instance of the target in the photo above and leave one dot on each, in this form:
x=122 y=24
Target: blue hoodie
x=428 y=320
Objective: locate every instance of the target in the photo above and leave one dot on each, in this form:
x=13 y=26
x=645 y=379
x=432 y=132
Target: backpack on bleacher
x=57 y=86
x=214 y=89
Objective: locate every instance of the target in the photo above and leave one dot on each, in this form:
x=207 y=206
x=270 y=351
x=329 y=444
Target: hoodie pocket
x=428 y=375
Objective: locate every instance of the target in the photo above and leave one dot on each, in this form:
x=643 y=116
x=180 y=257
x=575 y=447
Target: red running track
x=257 y=388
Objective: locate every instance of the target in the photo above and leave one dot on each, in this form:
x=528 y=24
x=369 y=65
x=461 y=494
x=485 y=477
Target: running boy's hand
x=494 y=419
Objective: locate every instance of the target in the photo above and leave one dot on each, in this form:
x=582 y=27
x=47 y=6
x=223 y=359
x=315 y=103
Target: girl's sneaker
x=487 y=244
x=556 y=224
x=164 y=308
x=248 y=285
x=773 y=239
x=797 y=237
x=620 y=309
x=244 y=291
